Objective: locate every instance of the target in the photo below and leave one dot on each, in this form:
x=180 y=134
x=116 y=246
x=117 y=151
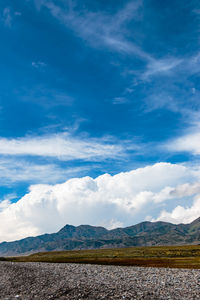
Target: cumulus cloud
x=122 y=199
x=63 y=146
x=181 y=214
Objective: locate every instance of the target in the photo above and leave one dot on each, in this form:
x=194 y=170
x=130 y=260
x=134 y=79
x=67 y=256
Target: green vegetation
x=95 y=237
x=159 y=256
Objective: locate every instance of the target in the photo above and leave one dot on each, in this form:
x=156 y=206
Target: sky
x=99 y=114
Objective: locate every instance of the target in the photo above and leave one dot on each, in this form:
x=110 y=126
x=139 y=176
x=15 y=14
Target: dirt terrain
x=84 y=281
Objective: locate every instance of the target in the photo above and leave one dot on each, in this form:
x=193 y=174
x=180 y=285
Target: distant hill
x=92 y=237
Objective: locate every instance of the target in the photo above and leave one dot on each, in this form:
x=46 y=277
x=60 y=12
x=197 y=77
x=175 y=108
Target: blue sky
x=95 y=87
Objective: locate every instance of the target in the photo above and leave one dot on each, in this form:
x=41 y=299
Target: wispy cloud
x=111 y=31
x=183 y=67
x=18 y=13
x=188 y=142
x=171 y=86
x=64 y=146
x=162 y=66
x=14 y=171
x=160 y=100
x=38 y=64
x=120 y=100
x=7 y=18
x=101 y=29
x=46 y=97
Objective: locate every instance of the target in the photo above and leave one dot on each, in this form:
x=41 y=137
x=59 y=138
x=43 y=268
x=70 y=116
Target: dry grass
x=161 y=256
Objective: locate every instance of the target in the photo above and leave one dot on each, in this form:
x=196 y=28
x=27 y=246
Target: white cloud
x=181 y=214
x=192 y=64
x=123 y=199
x=63 y=146
x=13 y=171
x=4 y=204
x=112 y=224
x=165 y=66
x=99 y=29
x=189 y=142
x=103 y=30
x=6 y=201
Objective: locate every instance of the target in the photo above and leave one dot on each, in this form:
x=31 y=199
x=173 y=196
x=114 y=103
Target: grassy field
x=162 y=256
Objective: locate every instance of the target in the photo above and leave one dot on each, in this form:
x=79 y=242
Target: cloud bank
x=119 y=200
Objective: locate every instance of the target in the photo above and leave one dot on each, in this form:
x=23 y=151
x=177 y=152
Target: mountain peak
x=93 y=237
x=196 y=221
x=67 y=228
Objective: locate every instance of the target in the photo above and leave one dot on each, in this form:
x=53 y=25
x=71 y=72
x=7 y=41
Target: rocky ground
x=76 y=281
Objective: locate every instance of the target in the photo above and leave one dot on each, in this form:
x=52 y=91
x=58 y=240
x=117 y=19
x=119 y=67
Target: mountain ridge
x=91 y=237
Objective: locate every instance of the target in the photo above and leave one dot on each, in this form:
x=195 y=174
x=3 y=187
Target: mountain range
x=92 y=237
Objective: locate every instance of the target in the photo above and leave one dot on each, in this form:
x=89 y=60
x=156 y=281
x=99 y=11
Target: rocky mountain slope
x=91 y=237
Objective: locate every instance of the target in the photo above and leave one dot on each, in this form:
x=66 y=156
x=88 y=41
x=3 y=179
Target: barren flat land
x=35 y=280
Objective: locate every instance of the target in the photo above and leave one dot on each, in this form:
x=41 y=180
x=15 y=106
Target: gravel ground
x=76 y=281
